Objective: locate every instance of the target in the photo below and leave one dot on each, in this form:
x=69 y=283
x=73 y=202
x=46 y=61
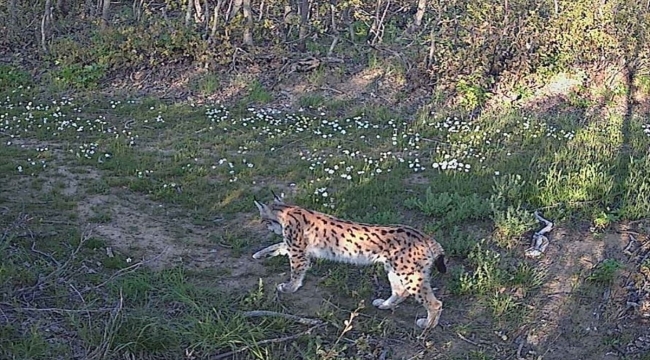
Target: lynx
x=406 y=253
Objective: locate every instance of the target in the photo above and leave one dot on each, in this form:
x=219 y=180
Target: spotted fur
x=406 y=253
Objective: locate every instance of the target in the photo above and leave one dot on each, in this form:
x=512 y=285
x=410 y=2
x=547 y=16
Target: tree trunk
x=259 y=18
x=236 y=6
x=13 y=15
x=422 y=8
x=137 y=9
x=302 y=32
x=333 y=28
x=248 y=21
x=287 y=22
x=215 y=20
x=206 y=19
x=188 y=12
x=347 y=18
x=106 y=13
x=198 y=13
x=46 y=23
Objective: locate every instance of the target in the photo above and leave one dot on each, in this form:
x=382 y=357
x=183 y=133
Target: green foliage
x=570 y=184
x=386 y=217
x=13 y=78
x=457 y=243
x=257 y=94
x=509 y=189
x=502 y=304
x=472 y=95
x=636 y=198
x=605 y=272
x=477 y=44
x=206 y=84
x=487 y=275
x=450 y=208
x=82 y=64
x=510 y=224
x=311 y=101
x=603 y=219
x=527 y=276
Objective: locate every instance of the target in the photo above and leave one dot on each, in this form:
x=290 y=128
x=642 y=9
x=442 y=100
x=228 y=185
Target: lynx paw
x=424 y=323
x=382 y=304
x=287 y=288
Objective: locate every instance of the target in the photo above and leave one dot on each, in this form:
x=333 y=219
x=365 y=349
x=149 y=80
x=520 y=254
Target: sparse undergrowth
x=74 y=291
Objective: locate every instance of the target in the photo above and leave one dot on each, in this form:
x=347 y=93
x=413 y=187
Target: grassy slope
x=474 y=184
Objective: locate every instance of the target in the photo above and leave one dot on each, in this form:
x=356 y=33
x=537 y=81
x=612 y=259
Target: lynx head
x=269 y=216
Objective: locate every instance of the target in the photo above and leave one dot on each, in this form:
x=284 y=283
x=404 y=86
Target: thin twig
x=60 y=269
x=125 y=270
x=78 y=293
x=298 y=319
x=332 y=45
x=324 y=87
x=57 y=310
x=44 y=254
x=265 y=342
x=4 y=316
x=466 y=339
x=637 y=221
x=379 y=31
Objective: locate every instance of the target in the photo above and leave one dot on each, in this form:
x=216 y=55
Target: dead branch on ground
x=298 y=319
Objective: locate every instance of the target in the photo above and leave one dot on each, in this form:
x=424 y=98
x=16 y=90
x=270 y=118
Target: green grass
x=605 y=271
x=473 y=185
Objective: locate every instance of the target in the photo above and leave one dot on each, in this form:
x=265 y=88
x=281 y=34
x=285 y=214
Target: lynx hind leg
x=300 y=263
x=419 y=286
x=273 y=250
x=398 y=292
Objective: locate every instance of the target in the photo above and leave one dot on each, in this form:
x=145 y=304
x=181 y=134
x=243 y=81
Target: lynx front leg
x=273 y=250
x=299 y=265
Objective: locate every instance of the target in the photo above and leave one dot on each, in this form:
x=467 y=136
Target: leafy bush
x=451 y=208
x=487 y=276
x=510 y=224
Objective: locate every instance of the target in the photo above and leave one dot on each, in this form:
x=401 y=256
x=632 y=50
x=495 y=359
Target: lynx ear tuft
x=276 y=198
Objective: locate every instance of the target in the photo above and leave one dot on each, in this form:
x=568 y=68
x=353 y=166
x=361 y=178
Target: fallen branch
x=265 y=342
x=540 y=241
x=298 y=319
x=466 y=339
x=56 y=310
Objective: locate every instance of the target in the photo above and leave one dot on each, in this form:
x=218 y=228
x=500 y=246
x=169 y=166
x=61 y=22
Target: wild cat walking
x=406 y=253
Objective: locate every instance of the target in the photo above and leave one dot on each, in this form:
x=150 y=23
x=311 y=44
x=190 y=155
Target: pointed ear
x=261 y=207
x=277 y=199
